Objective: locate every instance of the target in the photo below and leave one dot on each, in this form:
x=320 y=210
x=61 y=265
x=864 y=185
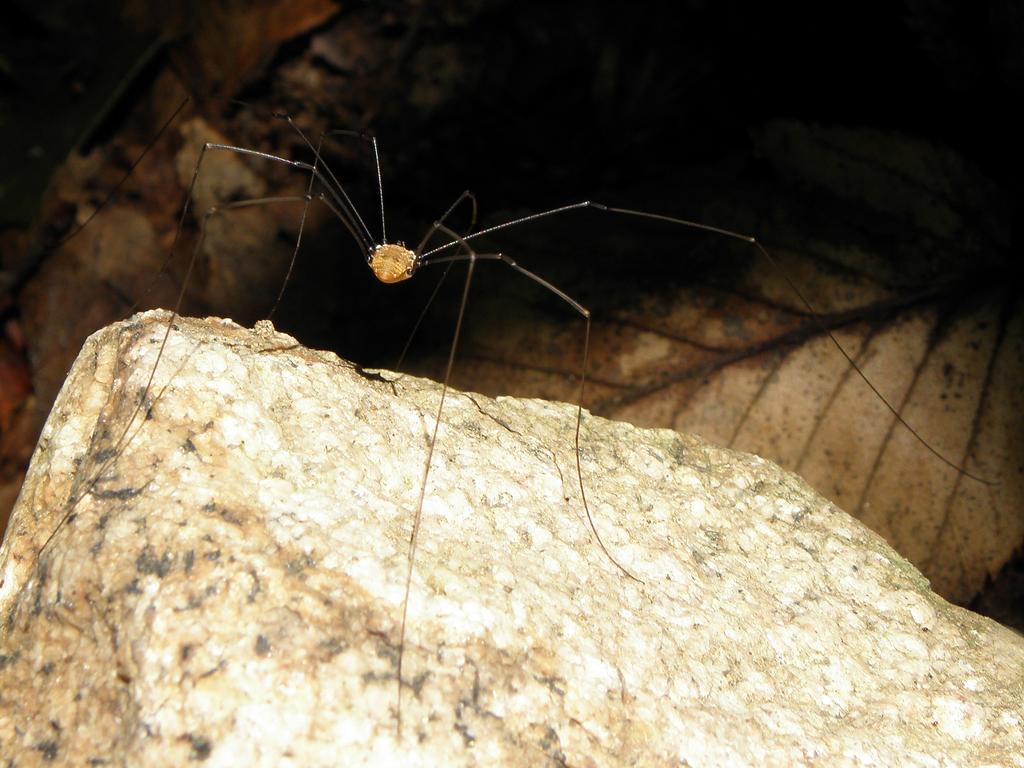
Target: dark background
x=828 y=129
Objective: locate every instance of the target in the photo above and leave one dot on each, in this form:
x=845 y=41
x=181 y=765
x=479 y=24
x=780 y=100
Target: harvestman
x=394 y=263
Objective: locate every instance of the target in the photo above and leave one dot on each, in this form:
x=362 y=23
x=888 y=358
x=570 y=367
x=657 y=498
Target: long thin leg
x=127 y=175
x=376 y=159
x=162 y=271
x=439 y=224
x=126 y=433
x=123 y=438
x=422 y=315
x=813 y=313
x=342 y=209
x=345 y=209
x=298 y=239
x=343 y=201
x=76 y=495
x=466 y=195
x=583 y=379
x=417 y=516
x=472 y=258
x=19 y=277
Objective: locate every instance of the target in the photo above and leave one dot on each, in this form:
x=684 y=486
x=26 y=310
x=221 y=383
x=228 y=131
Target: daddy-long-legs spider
x=392 y=263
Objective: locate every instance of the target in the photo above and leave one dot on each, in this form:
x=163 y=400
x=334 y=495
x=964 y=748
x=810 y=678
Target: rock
x=229 y=591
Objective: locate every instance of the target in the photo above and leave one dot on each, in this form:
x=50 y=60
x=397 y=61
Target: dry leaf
x=907 y=278
x=230 y=42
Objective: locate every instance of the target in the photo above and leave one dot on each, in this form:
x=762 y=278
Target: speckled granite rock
x=229 y=593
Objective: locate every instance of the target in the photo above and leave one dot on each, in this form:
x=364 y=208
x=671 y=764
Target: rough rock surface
x=229 y=592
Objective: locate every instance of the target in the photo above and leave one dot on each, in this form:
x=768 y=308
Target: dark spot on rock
x=376 y=677
x=148 y=563
x=418 y=683
x=201 y=747
x=48 y=749
x=190 y=560
x=255 y=589
x=554 y=684
x=678 y=452
x=467 y=735
x=552 y=746
x=214 y=670
x=229 y=517
x=262 y=645
x=333 y=646
x=299 y=564
x=104 y=455
x=119 y=494
x=370 y=375
x=37 y=597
